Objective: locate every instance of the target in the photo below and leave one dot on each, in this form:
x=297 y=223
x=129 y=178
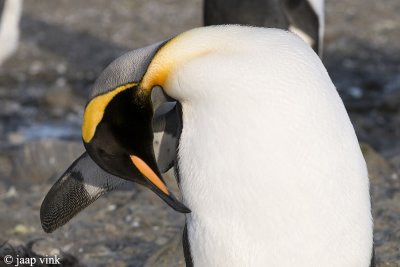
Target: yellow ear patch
x=94 y=111
x=171 y=56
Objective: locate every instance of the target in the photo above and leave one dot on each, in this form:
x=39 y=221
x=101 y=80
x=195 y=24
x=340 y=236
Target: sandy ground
x=64 y=46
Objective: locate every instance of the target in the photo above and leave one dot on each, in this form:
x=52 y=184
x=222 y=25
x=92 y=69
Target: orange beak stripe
x=149 y=174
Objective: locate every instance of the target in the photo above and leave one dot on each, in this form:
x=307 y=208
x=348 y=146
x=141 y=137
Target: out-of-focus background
x=65 y=44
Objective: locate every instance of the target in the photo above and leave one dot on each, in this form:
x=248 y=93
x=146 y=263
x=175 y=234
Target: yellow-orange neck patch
x=94 y=111
x=171 y=56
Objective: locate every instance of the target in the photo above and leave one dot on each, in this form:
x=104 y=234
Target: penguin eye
x=105 y=154
x=101 y=152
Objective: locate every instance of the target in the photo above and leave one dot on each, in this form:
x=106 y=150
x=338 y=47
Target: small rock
x=355 y=92
x=61 y=68
x=59 y=97
x=67 y=247
x=135 y=224
x=100 y=250
x=112 y=207
x=16 y=138
x=111 y=229
x=395 y=162
x=21 y=229
x=161 y=240
x=5 y=166
x=61 y=82
x=45 y=247
x=12 y=192
x=35 y=68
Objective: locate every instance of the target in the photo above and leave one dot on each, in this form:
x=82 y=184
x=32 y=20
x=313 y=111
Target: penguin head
x=117 y=125
x=123 y=132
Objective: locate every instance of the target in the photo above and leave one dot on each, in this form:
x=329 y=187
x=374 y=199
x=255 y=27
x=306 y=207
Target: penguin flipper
x=81 y=184
x=166 y=125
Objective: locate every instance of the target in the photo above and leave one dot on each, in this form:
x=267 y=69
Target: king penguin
x=306 y=18
x=9 y=27
x=268 y=163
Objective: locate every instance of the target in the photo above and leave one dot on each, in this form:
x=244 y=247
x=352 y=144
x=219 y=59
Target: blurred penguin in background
x=9 y=27
x=303 y=17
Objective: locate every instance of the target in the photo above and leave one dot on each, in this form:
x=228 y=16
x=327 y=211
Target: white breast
x=270 y=165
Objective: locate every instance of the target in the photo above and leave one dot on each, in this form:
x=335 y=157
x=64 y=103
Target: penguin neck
x=201 y=43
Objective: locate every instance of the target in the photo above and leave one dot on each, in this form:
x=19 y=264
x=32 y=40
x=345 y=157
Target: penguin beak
x=157 y=185
x=138 y=166
x=147 y=172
